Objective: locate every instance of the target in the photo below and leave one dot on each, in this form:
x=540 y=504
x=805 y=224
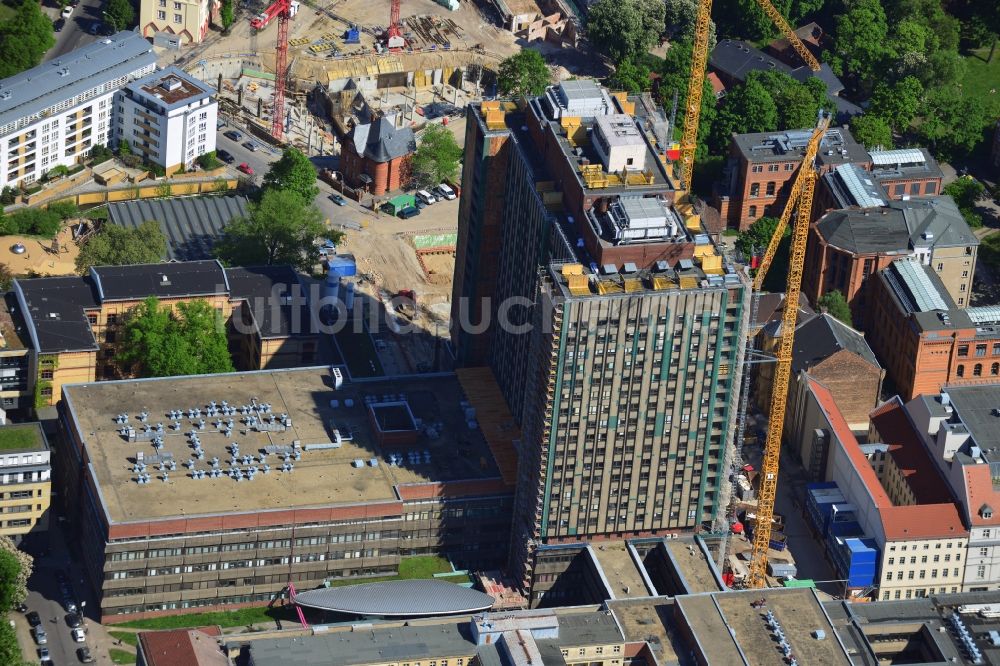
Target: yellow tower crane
x=800 y=200
x=699 y=61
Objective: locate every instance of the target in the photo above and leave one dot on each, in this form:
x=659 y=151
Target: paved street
x=75 y=33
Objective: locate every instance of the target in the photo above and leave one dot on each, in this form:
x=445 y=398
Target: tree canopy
x=437 y=157
x=523 y=74
x=835 y=304
x=872 y=131
x=119 y=14
x=623 y=29
x=630 y=76
x=897 y=103
x=746 y=108
x=160 y=342
x=680 y=17
x=293 y=172
x=860 y=39
x=674 y=75
x=226 y=14
x=967 y=192
x=280 y=229
x=755 y=240
x=952 y=122
x=14 y=582
x=24 y=39
x=118 y=246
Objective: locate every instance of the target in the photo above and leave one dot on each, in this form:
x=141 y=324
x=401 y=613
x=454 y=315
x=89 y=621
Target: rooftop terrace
x=339 y=472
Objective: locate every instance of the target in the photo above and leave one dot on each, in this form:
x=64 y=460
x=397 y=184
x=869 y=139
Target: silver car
x=40 y=636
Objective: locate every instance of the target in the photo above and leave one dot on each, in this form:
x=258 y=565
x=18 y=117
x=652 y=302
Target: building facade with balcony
x=168 y=117
x=53 y=114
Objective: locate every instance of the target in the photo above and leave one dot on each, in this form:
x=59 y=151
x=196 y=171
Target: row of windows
x=898 y=594
x=922 y=574
x=977 y=370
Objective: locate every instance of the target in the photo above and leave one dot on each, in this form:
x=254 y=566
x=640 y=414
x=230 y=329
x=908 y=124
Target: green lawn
x=981 y=77
x=121 y=656
x=424 y=566
x=129 y=637
x=14 y=437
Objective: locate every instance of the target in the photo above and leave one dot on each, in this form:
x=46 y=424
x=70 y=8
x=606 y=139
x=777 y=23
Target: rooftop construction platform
x=328 y=433
x=727 y=629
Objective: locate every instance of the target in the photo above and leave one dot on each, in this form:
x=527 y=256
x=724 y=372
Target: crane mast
x=280 y=72
x=803 y=190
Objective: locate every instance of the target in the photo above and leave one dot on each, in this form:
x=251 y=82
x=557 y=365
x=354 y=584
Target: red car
x=245 y=168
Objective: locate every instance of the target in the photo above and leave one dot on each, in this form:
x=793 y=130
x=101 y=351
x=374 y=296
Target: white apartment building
x=961 y=429
x=167 y=117
x=52 y=114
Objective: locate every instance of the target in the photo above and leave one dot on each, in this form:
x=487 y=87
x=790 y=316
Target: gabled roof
x=53 y=310
x=191 y=647
x=824 y=335
x=381 y=141
x=166 y=280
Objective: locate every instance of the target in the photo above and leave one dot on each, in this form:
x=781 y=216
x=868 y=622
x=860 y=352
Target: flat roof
x=15 y=438
x=164 y=280
x=192 y=225
x=694 y=566
x=837 y=147
x=620 y=569
x=398 y=598
x=650 y=620
x=73 y=73
x=169 y=88
x=975 y=406
x=322 y=478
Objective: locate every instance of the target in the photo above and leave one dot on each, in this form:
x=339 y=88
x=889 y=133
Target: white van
x=426 y=197
x=446 y=191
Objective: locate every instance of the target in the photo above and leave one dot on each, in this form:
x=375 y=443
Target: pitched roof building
x=377 y=155
x=847 y=246
x=191 y=647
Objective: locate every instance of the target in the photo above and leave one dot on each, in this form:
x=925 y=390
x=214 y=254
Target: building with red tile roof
x=899 y=500
x=190 y=647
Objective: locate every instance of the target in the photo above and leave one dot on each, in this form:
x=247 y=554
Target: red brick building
x=923 y=340
x=762 y=166
x=847 y=246
x=376 y=156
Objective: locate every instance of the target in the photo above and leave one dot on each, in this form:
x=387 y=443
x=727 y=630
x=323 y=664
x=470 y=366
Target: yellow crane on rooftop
x=699 y=62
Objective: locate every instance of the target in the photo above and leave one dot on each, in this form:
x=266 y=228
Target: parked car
x=69 y=605
x=426 y=197
x=59 y=24
x=250 y=145
x=67 y=12
x=33 y=619
x=21 y=608
x=73 y=620
x=445 y=191
x=225 y=156
x=337 y=199
x=40 y=636
x=43 y=654
x=79 y=636
x=220 y=123
x=233 y=134
x=83 y=654
x=94 y=28
x=245 y=168
x=408 y=212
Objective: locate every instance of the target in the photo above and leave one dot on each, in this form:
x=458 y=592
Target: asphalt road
x=258 y=160
x=75 y=33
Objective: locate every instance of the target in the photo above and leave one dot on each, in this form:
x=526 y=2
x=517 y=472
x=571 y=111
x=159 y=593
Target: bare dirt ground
x=36 y=260
x=440 y=268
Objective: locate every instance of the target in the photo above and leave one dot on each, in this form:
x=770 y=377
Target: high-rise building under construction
x=615 y=326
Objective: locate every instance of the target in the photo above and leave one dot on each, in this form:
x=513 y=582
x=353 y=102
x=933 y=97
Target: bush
x=99 y=154
x=154 y=169
x=57 y=171
x=209 y=161
x=8 y=195
x=33 y=222
x=130 y=160
x=65 y=209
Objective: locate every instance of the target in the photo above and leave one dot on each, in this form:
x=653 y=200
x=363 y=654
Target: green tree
x=119 y=14
x=755 y=240
x=523 y=74
x=293 y=173
x=953 y=122
x=226 y=15
x=623 y=29
x=747 y=20
x=834 y=303
x=280 y=229
x=680 y=17
x=118 y=246
x=674 y=76
x=20 y=580
x=872 y=131
x=630 y=76
x=860 y=39
x=10 y=651
x=9 y=569
x=746 y=108
x=437 y=157
x=897 y=103
x=797 y=103
x=159 y=342
x=24 y=38
x=966 y=192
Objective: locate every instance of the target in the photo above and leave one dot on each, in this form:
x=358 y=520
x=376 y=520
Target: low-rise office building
x=74 y=323
x=51 y=115
x=926 y=341
x=168 y=117
x=25 y=479
x=220 y=490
